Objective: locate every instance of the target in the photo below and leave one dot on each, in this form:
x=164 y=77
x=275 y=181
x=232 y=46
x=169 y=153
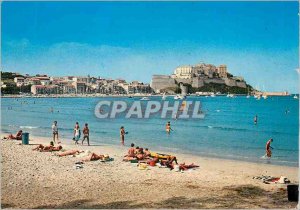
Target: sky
x=134 y=40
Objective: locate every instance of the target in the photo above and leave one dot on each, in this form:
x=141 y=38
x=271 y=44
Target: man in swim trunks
x=86 y=134
x=268 y=148
x=55 y=131
x=122 y=135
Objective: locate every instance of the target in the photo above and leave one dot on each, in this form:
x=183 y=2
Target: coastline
x=119 y=96
x=216 y=184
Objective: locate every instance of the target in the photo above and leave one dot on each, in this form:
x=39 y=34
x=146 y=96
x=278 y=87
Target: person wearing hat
x=268 y=148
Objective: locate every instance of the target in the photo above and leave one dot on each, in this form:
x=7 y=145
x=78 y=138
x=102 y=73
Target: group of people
x=76 y=133
x=137 y=152
x=84 y=155
x=123 y=132
x=144 y=156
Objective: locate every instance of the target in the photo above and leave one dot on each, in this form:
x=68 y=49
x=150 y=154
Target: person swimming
x=255 y=120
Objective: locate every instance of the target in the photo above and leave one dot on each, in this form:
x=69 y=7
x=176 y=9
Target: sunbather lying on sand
x=69 y=152
x=49 y=148
x=93 y=157
x=169 y=162
x=18 y=136
x=184 y=167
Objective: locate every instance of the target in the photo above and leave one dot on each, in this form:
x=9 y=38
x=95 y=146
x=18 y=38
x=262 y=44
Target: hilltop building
x=197 y=76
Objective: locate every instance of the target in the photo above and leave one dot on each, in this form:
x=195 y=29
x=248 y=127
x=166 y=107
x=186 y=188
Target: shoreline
x=117 y=184
x=46 y=140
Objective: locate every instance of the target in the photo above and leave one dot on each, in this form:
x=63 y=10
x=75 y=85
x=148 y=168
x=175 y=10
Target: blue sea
x=227 y=130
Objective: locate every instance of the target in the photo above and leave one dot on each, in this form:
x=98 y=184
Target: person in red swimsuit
x=268 y=148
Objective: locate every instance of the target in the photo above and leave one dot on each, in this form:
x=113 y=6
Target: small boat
x=231 y=96
x=145 y=99
x=265 y=97
x=164 y=97
x=295 y=97
x=179 y=97
x=248 y=96
x=212 y=95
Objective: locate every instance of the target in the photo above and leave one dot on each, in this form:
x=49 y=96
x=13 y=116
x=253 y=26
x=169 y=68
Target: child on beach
x=86 y=134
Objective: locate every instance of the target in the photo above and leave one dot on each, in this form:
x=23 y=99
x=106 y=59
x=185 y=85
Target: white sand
x=33 y=179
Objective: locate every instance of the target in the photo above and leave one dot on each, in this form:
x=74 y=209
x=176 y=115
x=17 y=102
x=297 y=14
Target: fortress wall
x=159 y=82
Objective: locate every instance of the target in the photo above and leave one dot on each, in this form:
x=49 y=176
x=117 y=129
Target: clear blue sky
x=134 y=40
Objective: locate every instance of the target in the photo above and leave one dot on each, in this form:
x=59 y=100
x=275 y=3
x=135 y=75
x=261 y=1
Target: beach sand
x=32 y=179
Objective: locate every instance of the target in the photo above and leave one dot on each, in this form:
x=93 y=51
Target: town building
x=44 y=89
x=19 y=81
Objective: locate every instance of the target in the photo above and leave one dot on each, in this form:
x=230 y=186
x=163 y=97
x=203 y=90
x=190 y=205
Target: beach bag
x=152 y=163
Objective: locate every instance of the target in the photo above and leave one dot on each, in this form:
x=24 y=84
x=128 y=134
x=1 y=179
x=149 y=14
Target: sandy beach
x=32 y=179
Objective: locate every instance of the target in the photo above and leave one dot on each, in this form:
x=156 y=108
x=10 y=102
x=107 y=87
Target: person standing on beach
x=86 y=134
x=76 y=133
x=255 y=120
x=122 y=135
x=55 y=131
x=268 y=148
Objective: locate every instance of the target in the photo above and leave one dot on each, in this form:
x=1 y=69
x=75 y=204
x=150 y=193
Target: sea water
x=226 y=131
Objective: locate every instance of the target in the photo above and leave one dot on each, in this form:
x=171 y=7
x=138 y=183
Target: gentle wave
x=28 y=127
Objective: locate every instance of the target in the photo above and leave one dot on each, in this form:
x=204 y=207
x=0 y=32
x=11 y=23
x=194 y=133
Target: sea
x=227 y=130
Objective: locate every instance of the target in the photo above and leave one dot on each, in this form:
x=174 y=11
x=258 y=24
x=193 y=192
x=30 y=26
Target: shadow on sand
x=245 y=196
